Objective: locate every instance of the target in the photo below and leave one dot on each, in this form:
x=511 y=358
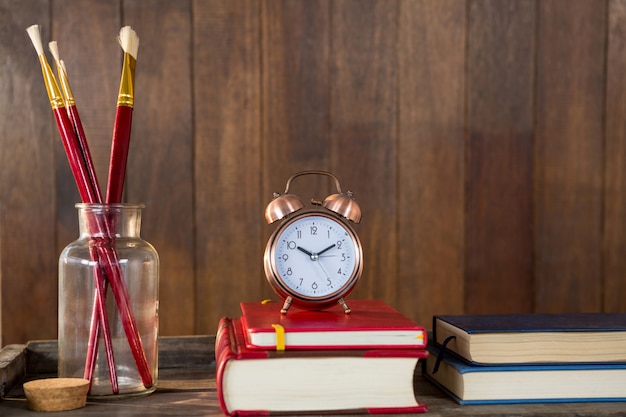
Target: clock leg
x=286 y=306
x=346 y=309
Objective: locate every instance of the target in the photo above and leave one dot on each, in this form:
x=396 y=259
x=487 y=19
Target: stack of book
x=480 y=359
x=308 y=362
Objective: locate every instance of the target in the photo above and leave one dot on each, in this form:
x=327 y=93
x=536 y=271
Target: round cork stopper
x=56 y=394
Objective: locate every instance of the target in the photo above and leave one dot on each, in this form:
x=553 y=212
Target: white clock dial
x=316 y=256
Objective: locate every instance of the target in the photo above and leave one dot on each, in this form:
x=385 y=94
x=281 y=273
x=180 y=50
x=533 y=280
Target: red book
x=372 y=324
x=265 y=382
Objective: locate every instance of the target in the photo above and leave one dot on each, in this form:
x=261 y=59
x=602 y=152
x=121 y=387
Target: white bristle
x=35 y=37
x=54 y=50
x=129 y=41
x=62 y=64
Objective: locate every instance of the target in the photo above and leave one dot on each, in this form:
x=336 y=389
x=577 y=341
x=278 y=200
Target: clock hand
x=300 y=248
x=323 y=270
x=313 y=256
x=327 y=249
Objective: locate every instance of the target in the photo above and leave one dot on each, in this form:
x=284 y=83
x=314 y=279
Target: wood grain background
x=485 y=141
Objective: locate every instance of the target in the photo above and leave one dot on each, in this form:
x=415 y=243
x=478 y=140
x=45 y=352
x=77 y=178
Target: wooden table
x=186 y=387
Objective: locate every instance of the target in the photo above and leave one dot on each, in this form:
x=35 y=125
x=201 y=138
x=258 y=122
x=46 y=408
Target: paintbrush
x=129 y=41
x=99 y=320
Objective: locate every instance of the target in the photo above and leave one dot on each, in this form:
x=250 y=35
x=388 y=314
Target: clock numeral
x=301 y=281
x=314 y=230
x=314 y=285
x=291 y=244
x=285 y=257
x=339 y=243
x=299 y=234
x=330 y=283
x=339 y=271
x=289 y=271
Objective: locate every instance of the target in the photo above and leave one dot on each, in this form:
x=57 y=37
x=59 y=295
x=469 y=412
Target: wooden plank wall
x=485 y=141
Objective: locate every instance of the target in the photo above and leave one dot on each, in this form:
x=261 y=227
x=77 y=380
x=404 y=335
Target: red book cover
x=371 y=324
x=267 y=382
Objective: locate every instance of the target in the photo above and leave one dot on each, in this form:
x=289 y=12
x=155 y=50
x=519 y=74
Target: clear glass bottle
x=109 y=249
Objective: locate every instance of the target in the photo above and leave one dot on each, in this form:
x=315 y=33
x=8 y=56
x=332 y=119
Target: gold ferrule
x=65 y=86
x=126 y=96
x=54 y=94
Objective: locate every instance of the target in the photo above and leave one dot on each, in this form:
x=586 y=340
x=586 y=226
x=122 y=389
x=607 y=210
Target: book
x=534 y=338
x=262 y=382
x=371 y=324
x=471 y=383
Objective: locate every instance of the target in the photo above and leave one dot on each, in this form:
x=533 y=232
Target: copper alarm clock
x=314 y=258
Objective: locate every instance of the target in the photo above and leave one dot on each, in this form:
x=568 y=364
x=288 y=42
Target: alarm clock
x=314 y=258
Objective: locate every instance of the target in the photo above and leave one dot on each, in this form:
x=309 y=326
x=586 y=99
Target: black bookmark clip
x=442 y=353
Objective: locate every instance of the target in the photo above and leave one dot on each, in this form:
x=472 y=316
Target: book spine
x=224 y=352
x=229 y=345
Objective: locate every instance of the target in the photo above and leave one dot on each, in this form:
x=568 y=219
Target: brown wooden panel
x=160 y=162
x=431 y=155
x=499 y=186
x=227 y=114
x=364 y=131
x=235 y=96
x=2 y=226
x=28 y=255
x=86 y=33
x=569 y=155
x=615 y=168
x=295 y=100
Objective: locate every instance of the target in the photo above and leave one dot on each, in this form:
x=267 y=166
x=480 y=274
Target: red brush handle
x=74 y=156
x=86 y=155
x=119 y=153
x=100 y=320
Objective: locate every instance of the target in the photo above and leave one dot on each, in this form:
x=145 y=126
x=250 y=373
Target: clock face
x=315 y=256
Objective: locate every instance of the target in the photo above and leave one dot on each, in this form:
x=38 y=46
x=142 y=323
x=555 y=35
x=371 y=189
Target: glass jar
x=112 y=339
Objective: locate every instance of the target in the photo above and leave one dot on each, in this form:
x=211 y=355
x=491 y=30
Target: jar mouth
x=109 y=207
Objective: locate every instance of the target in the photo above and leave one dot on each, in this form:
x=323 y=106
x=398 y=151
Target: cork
x=56 y=394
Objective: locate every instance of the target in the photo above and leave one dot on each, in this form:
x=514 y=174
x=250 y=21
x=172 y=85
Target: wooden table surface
x=186 y=387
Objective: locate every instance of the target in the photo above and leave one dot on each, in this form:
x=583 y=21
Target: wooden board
x=569 y=156
x=27 y=187
x=227 y=159
x=499 y=250
x=431 y=158
x=614 y=227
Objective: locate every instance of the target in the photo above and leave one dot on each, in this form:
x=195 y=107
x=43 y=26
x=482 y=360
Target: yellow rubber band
x=280 y=337
x=266 y=301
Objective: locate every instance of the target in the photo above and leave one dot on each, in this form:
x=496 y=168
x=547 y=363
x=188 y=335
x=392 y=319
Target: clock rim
x=300 y=300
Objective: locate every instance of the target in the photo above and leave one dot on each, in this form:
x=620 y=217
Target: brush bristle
x=54 y=50
x=35 y=37
x=129 y=41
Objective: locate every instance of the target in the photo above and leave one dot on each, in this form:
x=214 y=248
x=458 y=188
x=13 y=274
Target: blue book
x=534 y=338
x=469 y=383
